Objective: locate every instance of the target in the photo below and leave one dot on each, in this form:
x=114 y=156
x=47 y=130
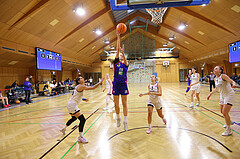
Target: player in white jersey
x=227 y=96
x=73 y=109
x=154 y=100
x=195 y=86
x=109 y=91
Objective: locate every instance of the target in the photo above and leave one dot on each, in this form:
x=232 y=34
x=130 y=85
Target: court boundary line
x=171 y=128
x=73 y=129
x=83 y=135
x=204 y=114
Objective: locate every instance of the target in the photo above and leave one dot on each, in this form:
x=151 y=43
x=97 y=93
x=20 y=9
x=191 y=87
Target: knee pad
x=82 y=122
x=82 y=119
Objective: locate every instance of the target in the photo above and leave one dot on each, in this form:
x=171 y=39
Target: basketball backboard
x=142 y=4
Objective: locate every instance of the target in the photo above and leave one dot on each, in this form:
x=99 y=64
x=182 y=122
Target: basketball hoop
x=165 y=67
x=157 y=14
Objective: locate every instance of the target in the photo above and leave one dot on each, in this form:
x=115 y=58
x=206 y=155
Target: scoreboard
x=234 y=52
x=48 y=60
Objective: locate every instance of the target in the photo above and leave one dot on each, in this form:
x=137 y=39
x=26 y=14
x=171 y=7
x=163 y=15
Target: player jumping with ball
x=120 y=83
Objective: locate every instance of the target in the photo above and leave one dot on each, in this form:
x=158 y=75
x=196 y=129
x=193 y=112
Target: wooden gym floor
x=31 y=131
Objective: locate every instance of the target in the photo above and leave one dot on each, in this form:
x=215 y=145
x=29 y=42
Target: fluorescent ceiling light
x=201 y=33
x=236 y=8
x=54 y=22
x=81 y=40
x=13 y=62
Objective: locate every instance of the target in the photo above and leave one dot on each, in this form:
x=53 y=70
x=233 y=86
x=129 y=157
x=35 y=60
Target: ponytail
x=76 y=80
x=221 y=69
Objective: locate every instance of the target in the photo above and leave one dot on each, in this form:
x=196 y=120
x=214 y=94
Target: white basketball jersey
x=76 y=97
x=153 y=88
x=194 y=78
x=224 y=87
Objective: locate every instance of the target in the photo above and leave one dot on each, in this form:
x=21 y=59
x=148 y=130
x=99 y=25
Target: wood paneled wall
x=9 y=74
x=171 y=74
x=44 y=75
x=66 y=74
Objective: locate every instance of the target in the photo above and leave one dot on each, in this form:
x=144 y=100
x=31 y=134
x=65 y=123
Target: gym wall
x=9 y=74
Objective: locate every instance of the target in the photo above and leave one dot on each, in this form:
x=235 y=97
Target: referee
x=211 y=80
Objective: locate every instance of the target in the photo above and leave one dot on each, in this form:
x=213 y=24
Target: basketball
x=17 y=102
x=121 y=28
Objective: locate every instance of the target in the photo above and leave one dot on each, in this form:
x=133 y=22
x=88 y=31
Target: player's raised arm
x=118 y=44
x=124 y=58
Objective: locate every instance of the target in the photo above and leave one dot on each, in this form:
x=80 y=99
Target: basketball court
x=165 y=38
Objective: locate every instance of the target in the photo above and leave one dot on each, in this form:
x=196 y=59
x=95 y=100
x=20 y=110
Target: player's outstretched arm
x=82 y=87
x=143 y=94
x=226 y=78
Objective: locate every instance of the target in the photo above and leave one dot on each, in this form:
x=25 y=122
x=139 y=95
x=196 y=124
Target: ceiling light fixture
x=79 y=11
x=166 y=44
x=98 y=31
x=106 y=41
x=182 y=26
x=172 y=37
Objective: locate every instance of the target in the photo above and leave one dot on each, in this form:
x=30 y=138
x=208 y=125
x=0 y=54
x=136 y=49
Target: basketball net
x=157 y=14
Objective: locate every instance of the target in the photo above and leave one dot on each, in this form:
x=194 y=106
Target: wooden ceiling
x=27 y=22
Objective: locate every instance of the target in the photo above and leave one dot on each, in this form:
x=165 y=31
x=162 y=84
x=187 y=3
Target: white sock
x=150 y=126
x=125 y=119
x=191 y=103
x=118 y=116
x=228 y=127
x=80 y=134
x=198 y=102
